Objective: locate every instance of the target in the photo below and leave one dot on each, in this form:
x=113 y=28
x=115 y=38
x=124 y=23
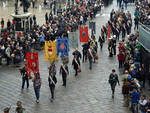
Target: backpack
x=37 y=82
x=113 y=78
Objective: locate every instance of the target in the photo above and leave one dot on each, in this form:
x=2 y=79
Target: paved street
x=87 y=93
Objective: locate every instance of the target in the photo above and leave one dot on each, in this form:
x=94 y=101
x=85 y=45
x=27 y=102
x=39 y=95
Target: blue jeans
x=37 y=92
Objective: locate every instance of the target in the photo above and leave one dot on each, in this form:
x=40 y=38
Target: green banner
x=73 y=39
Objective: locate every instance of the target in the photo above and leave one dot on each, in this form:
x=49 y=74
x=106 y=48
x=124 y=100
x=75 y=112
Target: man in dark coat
x=64 y=71
x=113 y=79
x=78 y=54
x=2 y=23
x=136 y=22
x=31 y=22
x=25 y=77
x=84 y=52
x=52 y=83
x=76 y=64
x=46 y=18
x=8 y=25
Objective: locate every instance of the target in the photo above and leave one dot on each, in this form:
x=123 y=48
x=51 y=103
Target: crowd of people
x=135 y=72
x=56 y=26
x=129 y=57
x=120 y=24
x=142 y=13
x=13 y=47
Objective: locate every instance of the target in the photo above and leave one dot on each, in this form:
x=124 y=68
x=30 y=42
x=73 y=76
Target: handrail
x=143 y=40
x=144 y=26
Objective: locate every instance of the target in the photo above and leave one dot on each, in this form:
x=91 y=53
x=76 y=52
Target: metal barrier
x=144 y=36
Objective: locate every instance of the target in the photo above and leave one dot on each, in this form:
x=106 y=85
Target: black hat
x=6 y=109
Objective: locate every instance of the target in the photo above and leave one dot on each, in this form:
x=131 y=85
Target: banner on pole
x=32 y=62
x=50 y=51
x=73 y=39
x=83 y=34
x=62 y=46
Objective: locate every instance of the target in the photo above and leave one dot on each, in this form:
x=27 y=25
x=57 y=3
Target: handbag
x=79 y=70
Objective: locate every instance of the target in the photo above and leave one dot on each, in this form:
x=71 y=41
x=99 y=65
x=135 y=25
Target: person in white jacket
x=143 y=104
x=8 y=54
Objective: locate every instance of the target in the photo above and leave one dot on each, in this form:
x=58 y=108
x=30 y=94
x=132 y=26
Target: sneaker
x=37 y=101
x=51 y=100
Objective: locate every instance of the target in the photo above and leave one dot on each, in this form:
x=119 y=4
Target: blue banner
x=62 y=46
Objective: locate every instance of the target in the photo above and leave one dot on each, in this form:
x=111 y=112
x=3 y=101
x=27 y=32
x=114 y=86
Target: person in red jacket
x=121 y=59
x=121 y=46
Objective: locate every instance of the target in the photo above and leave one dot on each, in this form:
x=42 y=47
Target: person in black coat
x=8 y=25
x=46 y=18
x=31 y=22
x=123 y=32
x=117 y=32
x=101 y=41
x=84 y=51
x=25 y=77
x=78 y=54
x=64 y=71
x=52 y=83
x=136 y=22
x=114 y=44
x=128 y=28
x=141 y=76
x=34 y=20
x=76 y=64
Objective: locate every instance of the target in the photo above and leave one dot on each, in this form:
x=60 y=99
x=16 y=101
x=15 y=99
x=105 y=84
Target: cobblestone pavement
x=87 y=93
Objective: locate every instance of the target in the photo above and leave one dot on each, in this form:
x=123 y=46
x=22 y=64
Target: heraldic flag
x=73 y=39
x=62 y=46
x=83 y=34
x=50 y=51
x=32 y=62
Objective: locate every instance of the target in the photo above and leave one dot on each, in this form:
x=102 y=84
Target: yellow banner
x=50 y=51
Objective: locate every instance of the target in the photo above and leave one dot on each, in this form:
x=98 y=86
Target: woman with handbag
x=37 y=85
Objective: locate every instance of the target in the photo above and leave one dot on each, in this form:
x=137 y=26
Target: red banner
x=83 y=34
x=32 y=62
x=108 y=31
